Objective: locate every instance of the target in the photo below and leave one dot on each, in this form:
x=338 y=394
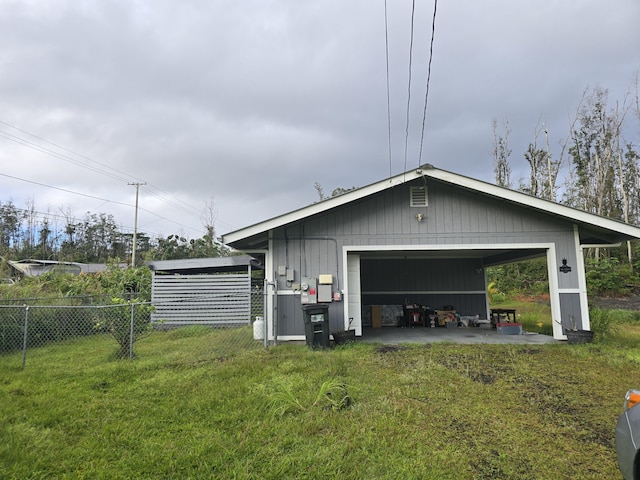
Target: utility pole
x=135 y=224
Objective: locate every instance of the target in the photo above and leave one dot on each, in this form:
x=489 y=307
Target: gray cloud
x=251 y=102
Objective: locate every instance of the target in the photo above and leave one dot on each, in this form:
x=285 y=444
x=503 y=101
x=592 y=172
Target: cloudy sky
x=248 y=103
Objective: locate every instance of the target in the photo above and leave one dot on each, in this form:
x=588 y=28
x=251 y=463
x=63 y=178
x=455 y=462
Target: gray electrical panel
x=324 y=293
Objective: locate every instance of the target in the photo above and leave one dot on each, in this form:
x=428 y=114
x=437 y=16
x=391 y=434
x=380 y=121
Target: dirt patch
x=614 y=303
x=529 y=351
x=390 y=348
x=482 y=378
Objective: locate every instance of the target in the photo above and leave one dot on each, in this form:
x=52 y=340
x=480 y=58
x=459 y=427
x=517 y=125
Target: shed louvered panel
x=213 y=299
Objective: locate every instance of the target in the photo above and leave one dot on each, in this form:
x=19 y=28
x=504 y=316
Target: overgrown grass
x=533 y=314
x=192 y=406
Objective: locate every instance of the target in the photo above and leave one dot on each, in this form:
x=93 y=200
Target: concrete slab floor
x=466 y=335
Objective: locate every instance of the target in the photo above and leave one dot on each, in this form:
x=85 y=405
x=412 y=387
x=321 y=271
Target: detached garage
x=423 y=237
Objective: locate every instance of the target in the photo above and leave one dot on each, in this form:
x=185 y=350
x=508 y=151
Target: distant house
x=424 y=236
x=34 y=267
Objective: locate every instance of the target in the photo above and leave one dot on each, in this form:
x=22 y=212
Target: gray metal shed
x=202 y=291
x=426 y=235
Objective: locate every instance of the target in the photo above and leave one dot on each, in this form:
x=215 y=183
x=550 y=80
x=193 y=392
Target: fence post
x=265 y=330
x=131 y=332
x=26 y=332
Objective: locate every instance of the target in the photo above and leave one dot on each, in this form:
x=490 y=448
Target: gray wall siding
x=451 y=218
x=570 y=304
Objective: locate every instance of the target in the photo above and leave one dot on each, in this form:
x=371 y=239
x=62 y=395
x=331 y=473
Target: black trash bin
x=316 y=324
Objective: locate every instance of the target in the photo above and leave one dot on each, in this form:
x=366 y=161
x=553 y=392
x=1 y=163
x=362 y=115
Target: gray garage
x=422 y=237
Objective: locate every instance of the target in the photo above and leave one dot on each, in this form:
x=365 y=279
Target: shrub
x=605 y=276
x=602 y=322
x=11 y=329
x=126 y=322
x=528 y=277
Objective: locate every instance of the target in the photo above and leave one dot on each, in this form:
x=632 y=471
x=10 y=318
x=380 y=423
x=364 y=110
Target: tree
x=319 y=191
x=630 y=187
x=543 y=170
x=334 y=193
x=340 y=191
x=501 y=153
x=598 y=184
x=209 y=217
x=593 y=154
x=10 y=223
x=30 y=219
x=44 y=243
x=176 y=247
x=98 y=239
x=68 y=244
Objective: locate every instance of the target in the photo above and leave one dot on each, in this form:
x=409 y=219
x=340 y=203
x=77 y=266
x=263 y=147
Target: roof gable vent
x=418 y=197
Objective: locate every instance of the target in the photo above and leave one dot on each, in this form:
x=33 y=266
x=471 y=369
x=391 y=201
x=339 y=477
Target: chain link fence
x=28 y=324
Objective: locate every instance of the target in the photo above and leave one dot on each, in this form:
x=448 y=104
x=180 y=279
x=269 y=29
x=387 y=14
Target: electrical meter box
x=308 y=290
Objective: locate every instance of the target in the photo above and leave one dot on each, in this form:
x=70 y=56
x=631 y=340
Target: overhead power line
x=426 y=95
x=35 y=146
x=406 y=136
x=90 y=164
x=386 y=45
x=66 y=190
x=86 y=195
x=409 y=82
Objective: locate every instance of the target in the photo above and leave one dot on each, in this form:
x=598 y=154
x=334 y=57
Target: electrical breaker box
x=308 y=290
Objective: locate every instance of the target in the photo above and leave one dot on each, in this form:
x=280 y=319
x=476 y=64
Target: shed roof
x=34 y=266
x=205 y=265
x=610 y=228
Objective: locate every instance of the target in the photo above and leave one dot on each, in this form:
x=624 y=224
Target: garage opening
x=441 y=289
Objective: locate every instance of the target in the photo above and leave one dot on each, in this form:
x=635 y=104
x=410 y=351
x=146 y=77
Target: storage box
x=453 y=324
x=446 y=316
x=376 y=316
x=509 y=328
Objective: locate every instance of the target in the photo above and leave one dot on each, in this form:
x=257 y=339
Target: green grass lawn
x=193 y=406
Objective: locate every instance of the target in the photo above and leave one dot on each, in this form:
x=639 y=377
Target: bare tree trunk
x=552 y=170
x=501 y=153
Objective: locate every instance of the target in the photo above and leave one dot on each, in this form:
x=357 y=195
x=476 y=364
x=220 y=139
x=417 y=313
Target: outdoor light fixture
x=419 y=217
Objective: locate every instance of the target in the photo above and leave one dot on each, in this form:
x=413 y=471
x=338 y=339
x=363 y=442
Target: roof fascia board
x=211 y=263
x=316 y=208
x=534 y=202
x=444 y=176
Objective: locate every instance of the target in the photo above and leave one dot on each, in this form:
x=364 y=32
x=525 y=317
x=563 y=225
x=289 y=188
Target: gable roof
x=621 y=231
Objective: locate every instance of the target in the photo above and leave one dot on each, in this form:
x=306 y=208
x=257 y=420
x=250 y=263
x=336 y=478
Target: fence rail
x=28 y=326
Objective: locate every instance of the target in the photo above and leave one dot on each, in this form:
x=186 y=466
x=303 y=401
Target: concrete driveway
x=394 y=336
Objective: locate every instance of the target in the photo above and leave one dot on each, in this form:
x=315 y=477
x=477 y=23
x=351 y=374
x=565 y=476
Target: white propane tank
x=258 y=329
